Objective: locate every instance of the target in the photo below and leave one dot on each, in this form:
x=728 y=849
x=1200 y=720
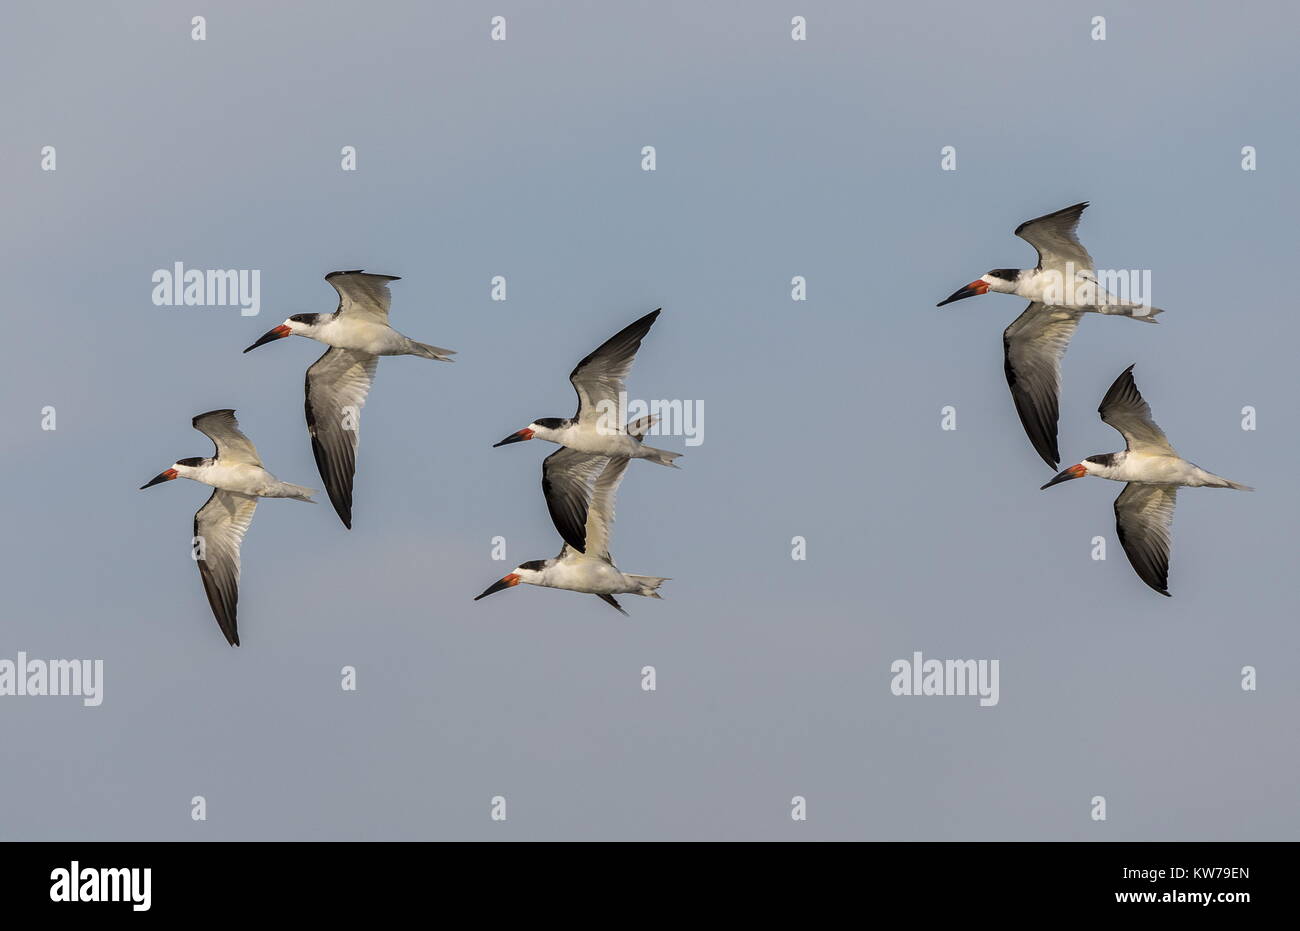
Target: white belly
x=1050 y=286
x=593 y=576
x=1158 y=470
x=586 y=438
x=245 y=479
x=363 y=335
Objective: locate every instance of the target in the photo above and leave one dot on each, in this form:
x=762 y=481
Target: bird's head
x=298 y=324
x=181 y=468
x=543 y=427
x=529 y=573
x=1002 y=280
x=1102 y=465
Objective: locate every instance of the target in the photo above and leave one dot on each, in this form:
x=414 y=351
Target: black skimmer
x=580 y=490
x=599 y=382
x=339 y=381
x=1061 y=289
x=1144 y=510
x=239 y=479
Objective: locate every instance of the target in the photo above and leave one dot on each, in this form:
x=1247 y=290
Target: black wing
x=1144 y=517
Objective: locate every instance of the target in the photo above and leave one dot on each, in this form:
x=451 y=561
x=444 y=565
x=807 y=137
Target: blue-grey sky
x=775 y=158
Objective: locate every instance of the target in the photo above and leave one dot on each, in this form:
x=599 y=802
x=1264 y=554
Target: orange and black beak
x=279 y=332
x=524 y=434
x=159 y=478
x=506 y=582
x=975 y=287
x=1074 y=471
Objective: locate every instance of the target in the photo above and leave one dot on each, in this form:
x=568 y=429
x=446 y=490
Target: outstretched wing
x=600 y=515
x=567 y=480
x=1033 y=347
x=337 y=385
x=222 y=428
x=219 y=528
x=1053 y=235
x=1144 y=518
x=602 y=375
x=362 y=295
x=1127 y=411
x=609 y=600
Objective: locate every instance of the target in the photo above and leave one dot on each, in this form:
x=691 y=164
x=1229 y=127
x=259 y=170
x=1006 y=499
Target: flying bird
x=1144 y=510
x=599 y=381
x=1061 y=289
x=339 y=381
x=239 y=479
x=580 y=489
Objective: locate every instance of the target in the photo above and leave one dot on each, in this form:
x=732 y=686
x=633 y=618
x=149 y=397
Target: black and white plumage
x=219 y=528
x=567 y=486
x=1153 y=471
x=1055 y=238
x=1061 y=289
x=580 y=489
x=338 y=383
x=600 y=380
x=1032 y=348
x=238 y=478
x=336 y=388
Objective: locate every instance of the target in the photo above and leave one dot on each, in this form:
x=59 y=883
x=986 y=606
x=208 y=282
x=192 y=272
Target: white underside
x=242 y=478
x=578 y=573
x=587 y=438
x=363 y=335
x=1149 y=469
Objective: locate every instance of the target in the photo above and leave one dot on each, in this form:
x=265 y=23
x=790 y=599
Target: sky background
x=821 y=419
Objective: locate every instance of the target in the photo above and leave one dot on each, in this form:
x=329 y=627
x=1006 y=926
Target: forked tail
x=661 y=456
x=1142 y=313
x=425 y=351
x=296 y=492
x=649 y=584
x=1228 y=483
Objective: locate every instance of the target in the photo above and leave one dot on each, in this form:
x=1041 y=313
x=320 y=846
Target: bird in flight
x=599 y=380
x=580 y=489
x=1144 y=510
x=238 y=478
x=1061 y=289
x=339 y=381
